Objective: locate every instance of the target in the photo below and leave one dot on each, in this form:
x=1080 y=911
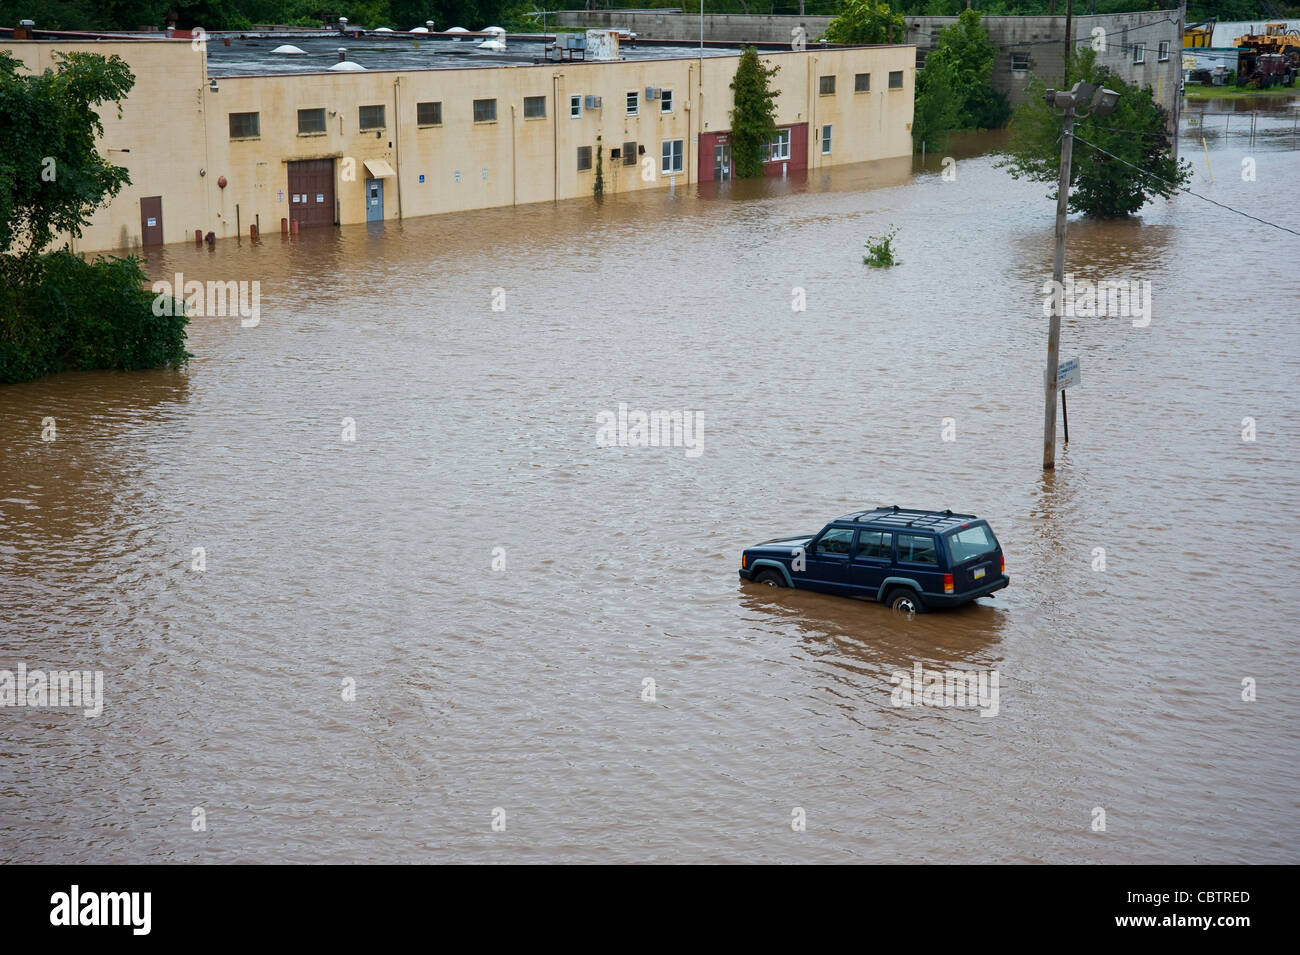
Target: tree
x=53 y=176
x=753 y=117
x=1137 y=132
x=865 y=22
x=58 y=311
x=967 y=45
x=937 y=109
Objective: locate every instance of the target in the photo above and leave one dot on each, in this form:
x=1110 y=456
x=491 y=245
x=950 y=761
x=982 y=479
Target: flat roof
x=250 y=54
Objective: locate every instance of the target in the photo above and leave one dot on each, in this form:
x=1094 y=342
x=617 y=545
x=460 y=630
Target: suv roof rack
x=895 y=516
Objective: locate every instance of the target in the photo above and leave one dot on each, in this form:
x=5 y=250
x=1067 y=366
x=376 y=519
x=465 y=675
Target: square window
x=779 y=148
x=245 y=126
x=862 y=83
x=372 y=117
x=534 y=107
x=575 y=106
x=672 y=156
x=584 y=158
x=826 y=140
x=634 y=103
x=895 y=79
x=1019 y=62
x=311 y=121
x=665 y=101
x=485 y=111
x=428 y=114
x=827 y=85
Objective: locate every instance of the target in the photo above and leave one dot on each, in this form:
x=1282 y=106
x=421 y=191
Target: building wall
x=1040 y=37
x=177 y=130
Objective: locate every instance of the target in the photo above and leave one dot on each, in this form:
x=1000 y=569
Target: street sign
x=1068 y=375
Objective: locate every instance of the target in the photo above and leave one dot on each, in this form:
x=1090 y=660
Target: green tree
x=753 y=117
x=937 y=108
x=967 y=45
x=51 y=173
x=866 y=21
x=1136 y=132
x=56 y=310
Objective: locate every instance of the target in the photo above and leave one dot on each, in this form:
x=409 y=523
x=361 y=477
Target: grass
x=1197 y=91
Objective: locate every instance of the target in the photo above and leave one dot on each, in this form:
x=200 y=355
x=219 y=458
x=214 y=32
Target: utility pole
x=1072 y=103
x=1178 y=88
x=1069 y=41
x=1058 y=289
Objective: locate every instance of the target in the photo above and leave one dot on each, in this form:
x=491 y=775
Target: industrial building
x=225 y=134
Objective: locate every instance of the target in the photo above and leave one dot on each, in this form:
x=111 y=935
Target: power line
x=1173 y=185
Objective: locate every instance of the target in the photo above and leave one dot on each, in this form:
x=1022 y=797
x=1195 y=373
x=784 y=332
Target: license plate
x=979 y=573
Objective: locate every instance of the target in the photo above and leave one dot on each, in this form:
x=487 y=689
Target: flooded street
x=331 y=563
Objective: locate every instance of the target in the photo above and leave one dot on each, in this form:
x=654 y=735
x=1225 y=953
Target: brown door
x=311 y=192
x=151 y=232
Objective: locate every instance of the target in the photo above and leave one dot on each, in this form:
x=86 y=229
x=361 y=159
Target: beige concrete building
x=219 y=154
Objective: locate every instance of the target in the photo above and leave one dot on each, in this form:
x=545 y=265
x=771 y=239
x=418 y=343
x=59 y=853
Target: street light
x=1097 y=101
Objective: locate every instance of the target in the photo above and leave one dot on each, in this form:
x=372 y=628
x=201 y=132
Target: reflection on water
x=372 y=561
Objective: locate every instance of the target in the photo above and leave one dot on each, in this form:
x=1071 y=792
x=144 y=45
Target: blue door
x=871 y=561
x=828 y=562
x=374 y=200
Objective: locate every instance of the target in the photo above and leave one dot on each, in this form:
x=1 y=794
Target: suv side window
x=835 y=541
x=917 y=549
x=876 y=545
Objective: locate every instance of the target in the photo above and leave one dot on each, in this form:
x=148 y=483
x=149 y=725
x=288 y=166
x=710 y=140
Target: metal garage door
x=311 y=192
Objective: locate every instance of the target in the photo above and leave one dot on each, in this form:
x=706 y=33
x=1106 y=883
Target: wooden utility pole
x=1069 y=43
x=1058 y=290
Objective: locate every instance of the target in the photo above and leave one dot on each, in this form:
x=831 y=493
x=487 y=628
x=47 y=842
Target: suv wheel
x=905 y=600
x=770 y=578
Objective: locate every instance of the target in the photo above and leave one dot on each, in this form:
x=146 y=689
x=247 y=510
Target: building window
x=1019 y=62
x=1139 y=52
x=245 y=126
x=485 y=111
x=575 y=106
x=672 y=156
x=827 y=85
x=1163 y=49
x=629 y=154
x=584 y=158
x=534 y=107
x=895 y=79
x=372 y=117
x=779 y=148
x=862 y=83
x=311 y=121
x=428 y=114
x=665 y=101
x=634 y=103
x=920 y=59
x=826 y=140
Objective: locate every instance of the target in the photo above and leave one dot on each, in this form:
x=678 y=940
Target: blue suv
x=913 y=561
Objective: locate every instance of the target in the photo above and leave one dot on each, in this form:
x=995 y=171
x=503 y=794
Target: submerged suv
x=911 y=560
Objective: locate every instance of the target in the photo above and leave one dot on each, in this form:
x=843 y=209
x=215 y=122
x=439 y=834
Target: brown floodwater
x=370 y=563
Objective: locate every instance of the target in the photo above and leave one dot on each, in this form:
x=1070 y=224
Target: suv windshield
x=974 y=541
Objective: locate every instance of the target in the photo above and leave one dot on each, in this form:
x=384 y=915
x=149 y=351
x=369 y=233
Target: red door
x=151 y=226
x=311 y=192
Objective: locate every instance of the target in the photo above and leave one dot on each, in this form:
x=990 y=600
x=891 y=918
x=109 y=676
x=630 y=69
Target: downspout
x=813 y=132
x=693 y=162
x=555 y=137
x=514 y=189
x=397 y=141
